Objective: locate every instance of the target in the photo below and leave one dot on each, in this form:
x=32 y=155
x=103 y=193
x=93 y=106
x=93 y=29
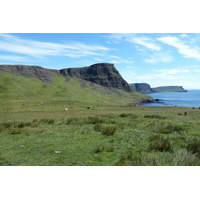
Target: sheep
x=65 y=109
x=183 y=114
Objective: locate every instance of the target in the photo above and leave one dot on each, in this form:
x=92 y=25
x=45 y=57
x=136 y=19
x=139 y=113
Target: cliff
x=45 y=75
x=169 y=89
x=142 y=87
x=103 y=74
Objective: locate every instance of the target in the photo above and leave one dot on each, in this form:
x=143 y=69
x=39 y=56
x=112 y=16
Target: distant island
x=145 y=88
x=169 y=89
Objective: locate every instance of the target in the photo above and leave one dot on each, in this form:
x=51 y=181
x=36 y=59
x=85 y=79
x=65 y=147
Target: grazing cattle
x=193 y=107
x=88 y=107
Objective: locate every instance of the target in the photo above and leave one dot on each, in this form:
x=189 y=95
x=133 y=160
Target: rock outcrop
x=142 y=87
x=104 y=74
x=27 y=71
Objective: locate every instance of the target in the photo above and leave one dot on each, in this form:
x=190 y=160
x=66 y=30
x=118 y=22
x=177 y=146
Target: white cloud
x=159 y=57
x=14 y=58
x=130 y=67
x=115 y=61
x=13 y=44
x=98 y=59
x=184 y=35
x=167 y=74
x=134 y=39
x=172 y=73
x=113 y=56
x=185 y=50
x=144 y=41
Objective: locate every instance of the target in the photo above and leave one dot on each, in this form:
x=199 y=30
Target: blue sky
x=155 y=58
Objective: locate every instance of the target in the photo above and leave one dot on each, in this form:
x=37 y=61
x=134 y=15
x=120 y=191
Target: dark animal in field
x=88 y=107
x=183 y=114
x=193 y=107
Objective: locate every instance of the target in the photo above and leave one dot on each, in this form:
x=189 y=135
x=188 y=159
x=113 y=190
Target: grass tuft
x=154 y=117
x=193 y=146
x=158 y=143
x=48 y=121
x=103 y=148
x=128 y=115
x=108 y=130
x=95 y=120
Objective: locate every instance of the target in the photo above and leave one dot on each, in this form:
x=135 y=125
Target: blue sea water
x=180 y=99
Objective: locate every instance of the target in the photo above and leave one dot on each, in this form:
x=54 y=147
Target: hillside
x=169 y=89
x=142 y=87
x=73 y=84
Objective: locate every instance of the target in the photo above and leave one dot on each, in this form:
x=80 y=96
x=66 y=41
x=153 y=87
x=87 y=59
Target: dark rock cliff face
x=104 y=74
x=27 y=71
x=142 y=88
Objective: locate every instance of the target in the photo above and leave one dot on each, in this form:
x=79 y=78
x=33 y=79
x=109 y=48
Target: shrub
x=158 y=143
x=194 y=147
x=105 y=129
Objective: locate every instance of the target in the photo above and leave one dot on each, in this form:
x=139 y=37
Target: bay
x=180 y=99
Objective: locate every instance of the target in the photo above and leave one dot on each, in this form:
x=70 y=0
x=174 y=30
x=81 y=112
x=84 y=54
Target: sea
x=191 y=98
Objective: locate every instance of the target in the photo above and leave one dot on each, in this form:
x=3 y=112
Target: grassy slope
x=17 y=87
x=105 y=134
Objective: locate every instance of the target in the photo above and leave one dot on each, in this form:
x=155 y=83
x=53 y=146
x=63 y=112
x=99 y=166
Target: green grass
x=17 y=88
x=34 y=126
x=108 y=135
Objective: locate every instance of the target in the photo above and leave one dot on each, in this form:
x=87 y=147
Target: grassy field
x=38 y=132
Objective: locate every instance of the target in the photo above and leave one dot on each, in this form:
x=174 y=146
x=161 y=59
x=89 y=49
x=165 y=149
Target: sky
x=159 y=59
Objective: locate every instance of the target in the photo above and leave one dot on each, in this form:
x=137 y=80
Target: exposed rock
x=104 y=74
x=142 y=87
x=27 y=71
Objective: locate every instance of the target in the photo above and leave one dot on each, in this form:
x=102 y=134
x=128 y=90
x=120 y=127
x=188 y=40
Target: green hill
x=26 y=85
